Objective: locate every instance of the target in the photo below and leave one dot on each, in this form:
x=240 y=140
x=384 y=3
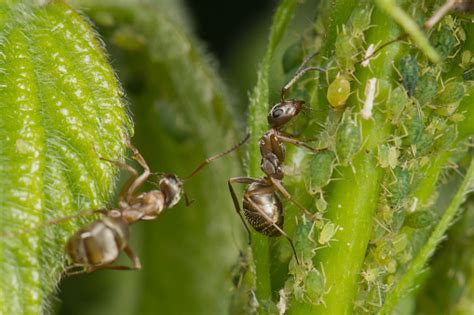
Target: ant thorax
x=273 y=154
x=172 y=188
x=283 y=112
x=148 y=204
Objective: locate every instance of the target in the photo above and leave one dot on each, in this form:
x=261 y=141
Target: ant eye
x=277 y=112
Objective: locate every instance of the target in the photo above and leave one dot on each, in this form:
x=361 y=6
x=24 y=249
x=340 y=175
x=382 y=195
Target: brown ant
x=98 y=244
x=261 y=205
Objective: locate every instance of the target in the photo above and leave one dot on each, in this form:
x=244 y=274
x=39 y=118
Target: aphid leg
x=287 y=195
x=270 y=221
x=240 y=180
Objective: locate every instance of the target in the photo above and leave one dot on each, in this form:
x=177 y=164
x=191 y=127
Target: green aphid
x=396 y=104
x=419 y=219
x=345 y=51
x=453 y=92
x=292 y=57
x=360 y=20
x=320 y=170
x=447 y=138
x=303 y=238
x=400 y=242
x=426 y=89
x=338 y=92
x=448 y=100
x=424 y=144
x=348 y=139
x=444 y=41
x=468 y=74
x=417 y=126
x=327 y=233
x=398 y=219
x=388 y=156
x=401 y=186
x=315 y=286
x=409 y=71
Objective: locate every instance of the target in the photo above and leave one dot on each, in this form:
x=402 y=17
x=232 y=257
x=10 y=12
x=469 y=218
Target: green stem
x=353 y=199
x=417 y=264
x=410 y=26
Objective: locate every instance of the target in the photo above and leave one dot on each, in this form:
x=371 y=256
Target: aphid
x=345 y=51
x=401 y=187
x=444 y=41
x=98 y=244
x=449 y=98
x=348 y=139
x=396 y=104
x=360 y=20
x=321 y=167
x=426 y=89
x=419 y=219
x=261 y=205
x=468 y=74
x=388 y=156
x=409 y=72
x=327 y=233
x=338 y=92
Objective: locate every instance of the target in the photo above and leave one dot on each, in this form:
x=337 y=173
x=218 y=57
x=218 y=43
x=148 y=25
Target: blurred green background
x=187 y=253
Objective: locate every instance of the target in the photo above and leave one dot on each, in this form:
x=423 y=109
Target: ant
x=261 y=205
x=98 y=244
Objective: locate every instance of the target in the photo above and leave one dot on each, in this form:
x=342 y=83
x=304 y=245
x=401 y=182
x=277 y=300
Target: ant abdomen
x=98 y=243
x=266 y=202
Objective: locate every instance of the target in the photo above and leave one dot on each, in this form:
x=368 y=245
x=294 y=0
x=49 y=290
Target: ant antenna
x=299 y=73
x=217 y=156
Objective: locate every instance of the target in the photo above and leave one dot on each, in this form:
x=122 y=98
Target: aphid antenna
x=215 y=157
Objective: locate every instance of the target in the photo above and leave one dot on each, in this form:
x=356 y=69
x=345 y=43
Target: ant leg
x=287 y=195
x=69 y=270
x=133 y=258
x=296 y=142
x=240 y=180
x=188 y=201
x=130 y=181
x=75 y=216
x=143 y=177
x=270 y=221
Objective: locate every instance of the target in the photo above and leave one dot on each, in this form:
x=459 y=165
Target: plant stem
x=410 y=27
x=417 y=264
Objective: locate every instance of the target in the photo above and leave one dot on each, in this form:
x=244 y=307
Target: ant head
x=172 y=187
x=283 y=112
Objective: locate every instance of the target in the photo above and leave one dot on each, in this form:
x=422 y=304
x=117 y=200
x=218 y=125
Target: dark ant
x=98 y=244
x=261 y=205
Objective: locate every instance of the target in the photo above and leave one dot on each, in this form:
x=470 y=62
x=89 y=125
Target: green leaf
x=60 y=103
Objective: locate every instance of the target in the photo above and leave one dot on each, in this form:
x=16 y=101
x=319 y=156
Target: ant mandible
x=98 y=244
x=261 y=205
